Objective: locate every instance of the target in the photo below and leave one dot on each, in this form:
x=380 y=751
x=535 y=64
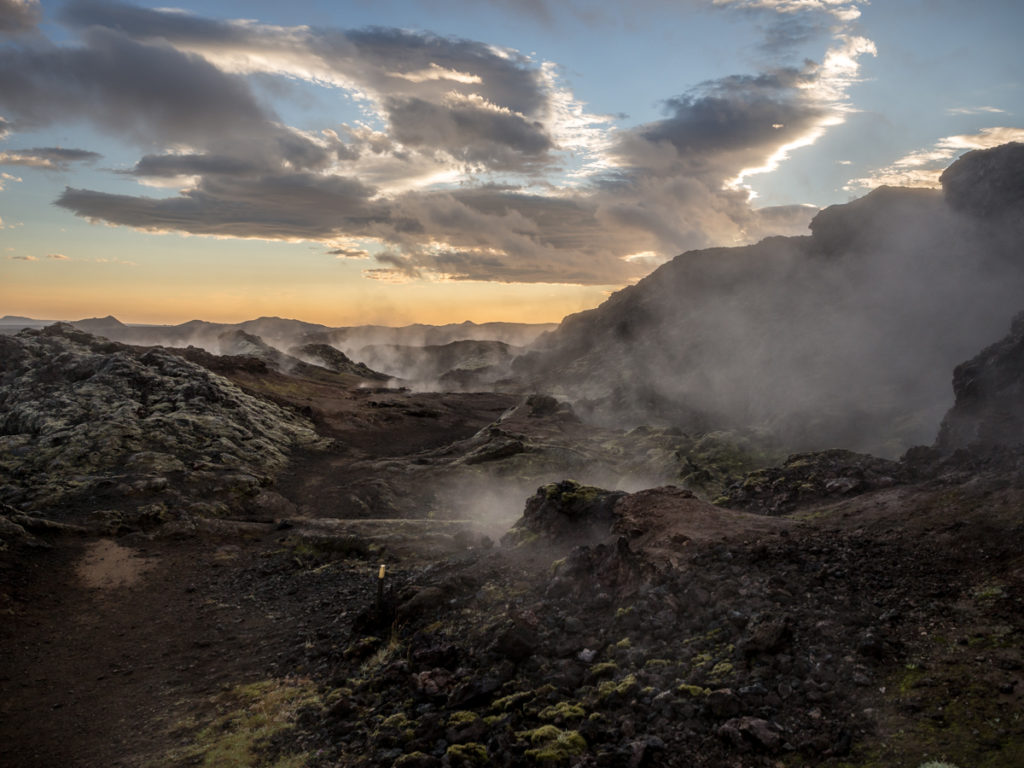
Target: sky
x=435 y=161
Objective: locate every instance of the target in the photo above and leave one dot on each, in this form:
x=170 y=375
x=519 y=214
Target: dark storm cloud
x=728 y=121
x=47 y=157
x=468 y=131
x=17 y=16
x=152 y=93
x=422 y=82
x=292 y=206
x=389 y=61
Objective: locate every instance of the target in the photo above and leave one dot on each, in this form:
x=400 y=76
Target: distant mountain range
x=418 y=353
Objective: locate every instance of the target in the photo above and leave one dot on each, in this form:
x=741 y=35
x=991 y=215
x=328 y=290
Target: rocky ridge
x=93 y=425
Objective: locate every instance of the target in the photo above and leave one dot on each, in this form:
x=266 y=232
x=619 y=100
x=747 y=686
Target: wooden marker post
x=380 y=586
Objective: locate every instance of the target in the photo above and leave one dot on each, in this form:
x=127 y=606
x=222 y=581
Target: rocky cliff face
x=91 y=424
x=844 y=338
x=989 y=408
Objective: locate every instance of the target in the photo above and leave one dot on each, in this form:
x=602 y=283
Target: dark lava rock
x=987 y=182
x=810 y=477
x=989 y=407
x=751 y=732
x=86 y=419
x=566 y=511
x=335 y=360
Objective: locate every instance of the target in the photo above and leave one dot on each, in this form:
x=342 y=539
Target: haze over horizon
x=438 y=161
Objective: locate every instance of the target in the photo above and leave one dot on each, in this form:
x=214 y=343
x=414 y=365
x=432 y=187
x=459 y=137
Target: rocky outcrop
x=566 y=511
x=326 y=356
x=989 y=388
x=987 y=182
x=90 y=424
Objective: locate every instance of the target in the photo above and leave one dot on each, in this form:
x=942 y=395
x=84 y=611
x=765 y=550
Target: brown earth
x=876 y=629
x=109 y=646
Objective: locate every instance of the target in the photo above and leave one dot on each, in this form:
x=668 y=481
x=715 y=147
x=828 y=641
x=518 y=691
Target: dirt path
x=107 y=647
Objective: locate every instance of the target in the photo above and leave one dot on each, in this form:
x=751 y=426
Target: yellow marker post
x=380 y=586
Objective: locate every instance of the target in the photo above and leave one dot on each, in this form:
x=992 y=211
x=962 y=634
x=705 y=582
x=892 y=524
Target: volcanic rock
x=989 y=388
x=84 y=418
x=566 y=511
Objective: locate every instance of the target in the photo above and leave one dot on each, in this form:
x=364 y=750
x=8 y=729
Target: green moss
x=624 y=611
x=512 y=701
x=562 y=711
x=604 y=669
x=398 y=720
x=721 y=669
x=957 y=721
x=623 y=687
x=552 y=746
x=623 y=644
x=656 y=663
x=571 y=492
x=693 y=690
x=467 y=755
x=462 y=717
x=261 y=711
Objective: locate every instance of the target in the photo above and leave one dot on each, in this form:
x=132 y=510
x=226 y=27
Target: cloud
x=446 y=177
x=470 y=129
x=975 y=111
x=844 y=10
x=55 y=158
x=57 y=257
x=148 y=93
x=18 y=16
x=349 y=253
x=5 y=177
x=297 y=206
x=923 y=167
x=23 y=258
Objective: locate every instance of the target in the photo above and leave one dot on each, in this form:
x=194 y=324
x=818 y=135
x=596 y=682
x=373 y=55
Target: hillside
x=842 y=338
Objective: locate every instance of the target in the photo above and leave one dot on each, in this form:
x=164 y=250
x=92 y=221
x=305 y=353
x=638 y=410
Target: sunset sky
x=397 y=161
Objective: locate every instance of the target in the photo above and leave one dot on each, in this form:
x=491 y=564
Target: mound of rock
x=566 y=511
x=989 y=407
x=326 y=356
x=93 y=423
x=987 y=182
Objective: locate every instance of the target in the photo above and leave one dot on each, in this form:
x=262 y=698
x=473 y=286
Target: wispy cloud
x=23 y=257
x=57 y=257
x=923 y=167
x=5 y=177
x=53 y=158
x=844 y=10
x=975 y=111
